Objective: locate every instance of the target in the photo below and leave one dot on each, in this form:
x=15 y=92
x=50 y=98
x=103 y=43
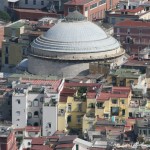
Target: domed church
x=68 y=47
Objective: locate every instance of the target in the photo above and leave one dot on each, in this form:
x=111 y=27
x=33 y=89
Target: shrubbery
x=4 y=16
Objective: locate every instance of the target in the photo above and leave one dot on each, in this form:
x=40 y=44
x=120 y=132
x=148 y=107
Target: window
x=93 y=6
x=56 y=4
x=18 y=113
x=41 y=99
x=77 y=147
x=36 y=114
x=29 y=143
x=78 y=119
x=131 y=81
x=79 y=107
x=106 y=115
x=114 y=111
x=100 y=105
x=6 y=50
x=130 y=114
x=49 y=125
x=118 y=30
x=36 y=103
x=69 y=119
x=86 y=8
x=0 y=114
x=144 y=132
x=6 y=60
x=18 y=100
x=149 y=131
x=26 y=1
x=69 y=107
x=29 y=104
x=123 y=112
x=61 y=112
x=122 y=101
x=91 y=105
x=29 y=115
x=36 y=124
x=113 y=20
x=114 y=101
x=42 y=2
x=34 y=2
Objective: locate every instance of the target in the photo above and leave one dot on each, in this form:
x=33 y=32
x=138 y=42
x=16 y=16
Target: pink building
x=133 y=35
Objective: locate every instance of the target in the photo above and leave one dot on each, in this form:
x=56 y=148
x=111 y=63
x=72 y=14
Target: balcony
x=50 y=104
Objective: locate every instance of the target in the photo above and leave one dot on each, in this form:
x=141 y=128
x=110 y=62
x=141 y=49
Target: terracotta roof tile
x=41 y=147
x=131 y=23
x=32 y=129
x=64 y=146
x=38 y=141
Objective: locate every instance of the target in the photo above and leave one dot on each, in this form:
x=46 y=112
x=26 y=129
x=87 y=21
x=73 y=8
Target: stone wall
x=47 y=67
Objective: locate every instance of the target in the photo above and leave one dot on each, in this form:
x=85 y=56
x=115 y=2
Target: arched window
x=29 y=115
x=36 y=103
x=36 y=114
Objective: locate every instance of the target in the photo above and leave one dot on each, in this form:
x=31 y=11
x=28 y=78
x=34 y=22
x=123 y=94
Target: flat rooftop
x=126 y=73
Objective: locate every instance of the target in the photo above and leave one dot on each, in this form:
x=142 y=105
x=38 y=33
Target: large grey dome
x=68 y=47
x=76 y=35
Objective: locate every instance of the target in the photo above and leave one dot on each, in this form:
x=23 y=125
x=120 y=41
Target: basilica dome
x=70 y=45
x=76 y=35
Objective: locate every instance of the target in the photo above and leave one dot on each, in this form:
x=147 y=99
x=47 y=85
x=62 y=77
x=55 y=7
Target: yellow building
x=14 y=46
x=77 y=110
x=114 y=104
x=71 y=110
x=89 y=118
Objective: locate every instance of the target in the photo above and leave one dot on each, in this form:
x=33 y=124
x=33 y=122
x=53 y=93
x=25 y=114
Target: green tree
x=4 y=16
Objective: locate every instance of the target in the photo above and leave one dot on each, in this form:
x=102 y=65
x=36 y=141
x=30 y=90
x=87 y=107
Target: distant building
x=18 y=36
x=131 y=14
x=93 y=10
x=130 y=4
x=31 y=104
x=133 y=35
x=126 y=77
x=7 y=139
x=33 y=15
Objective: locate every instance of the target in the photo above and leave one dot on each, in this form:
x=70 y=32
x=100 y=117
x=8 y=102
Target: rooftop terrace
x=126 y=73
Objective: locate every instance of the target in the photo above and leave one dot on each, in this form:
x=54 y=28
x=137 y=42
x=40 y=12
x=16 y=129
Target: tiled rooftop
x=131 y=23
x=41 y=147
x=32 y=129
x=38 y=141
x=115 y=92
x=126 y=73
x=131 y=10
x=64 y=146
x=53 y=83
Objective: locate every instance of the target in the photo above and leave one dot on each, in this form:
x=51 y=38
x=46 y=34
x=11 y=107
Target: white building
x=81 y=144
x=130 y=4
x=36 y=104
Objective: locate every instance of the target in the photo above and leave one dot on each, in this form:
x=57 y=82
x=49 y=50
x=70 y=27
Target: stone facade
x=59 y=68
